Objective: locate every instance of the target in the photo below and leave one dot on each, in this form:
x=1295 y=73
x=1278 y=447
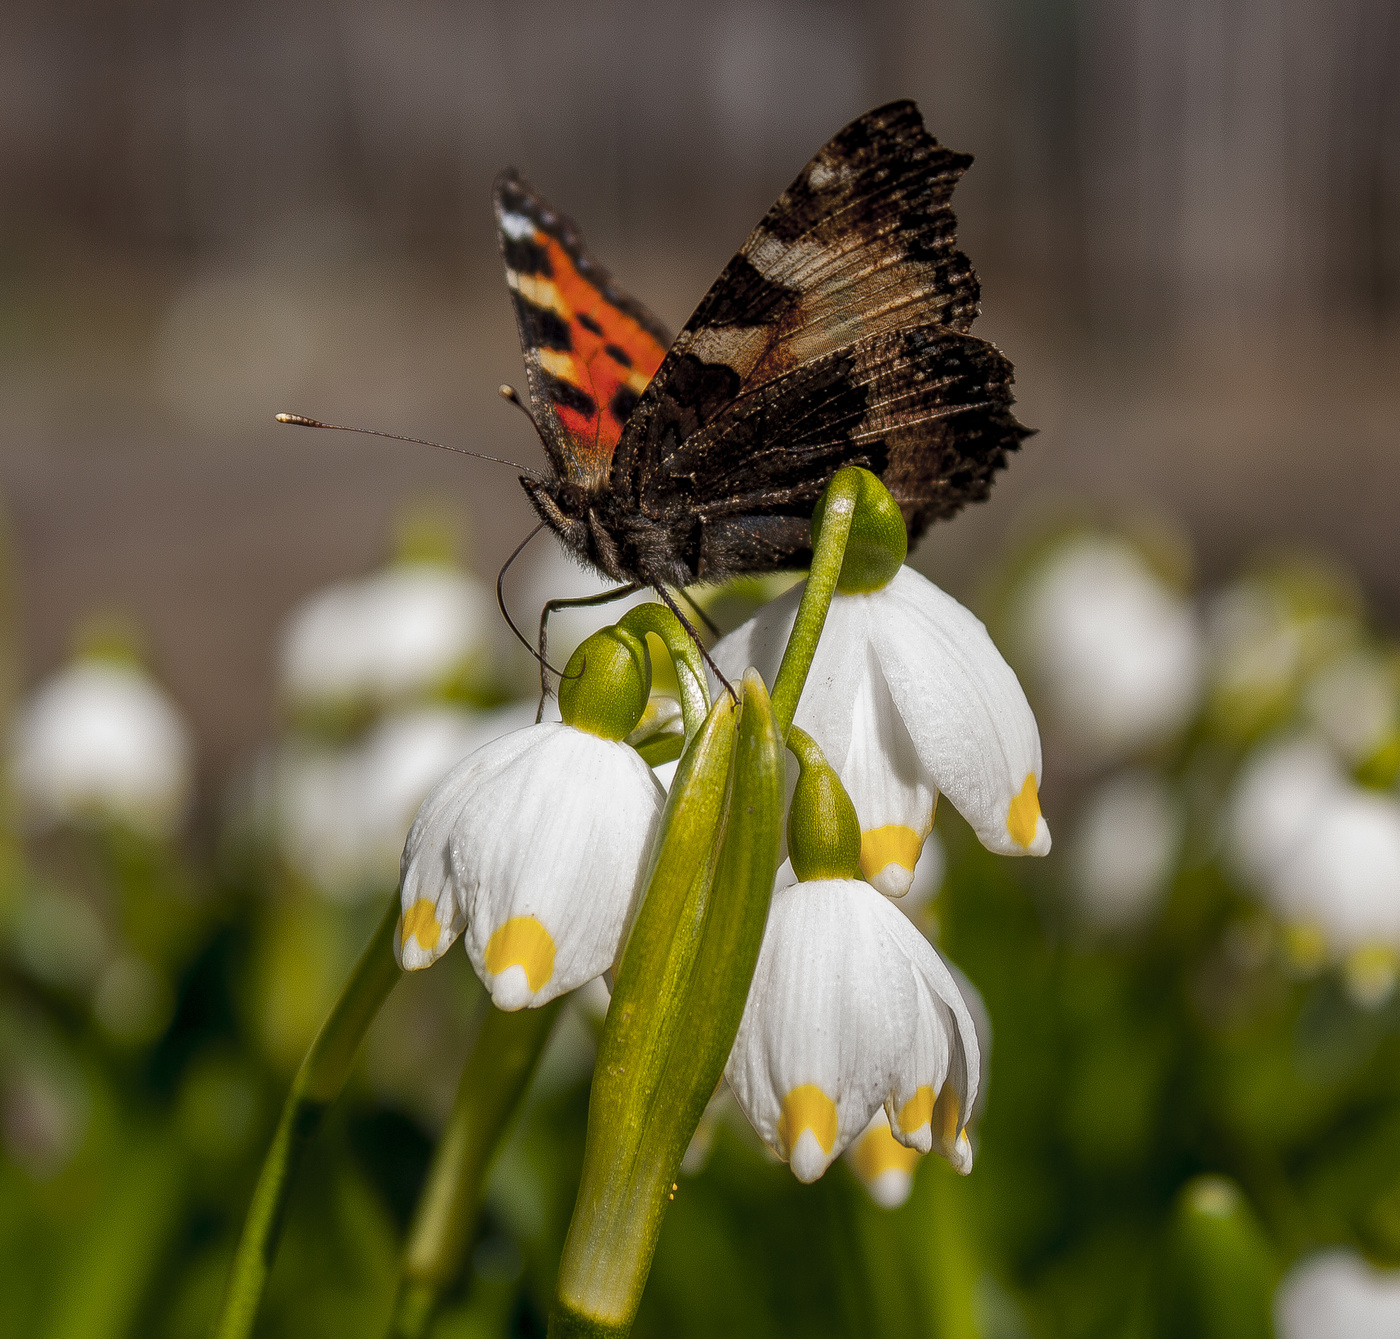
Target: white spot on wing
x=517 y=226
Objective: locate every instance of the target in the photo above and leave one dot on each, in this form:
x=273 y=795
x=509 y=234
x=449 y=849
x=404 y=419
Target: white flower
x=535 y=845
x=100 y=738
x=1280 y=791
x=343 y=814
x=1336 y=1295
x=1325 y=854
x=398 y=632
x=1124 y=848
x=851 y=1009
x=884 y=1165
x=1353 y=701
x=907 y=696
x=1116 y=653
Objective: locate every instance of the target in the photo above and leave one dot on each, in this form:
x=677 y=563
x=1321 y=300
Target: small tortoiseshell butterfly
x=838 y=335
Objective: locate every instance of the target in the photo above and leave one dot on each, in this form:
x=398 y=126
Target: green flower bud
x=606 y=684
x=878 y=542
x=823 y=829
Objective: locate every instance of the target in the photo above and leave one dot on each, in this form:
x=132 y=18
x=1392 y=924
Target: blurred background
x=236 y=655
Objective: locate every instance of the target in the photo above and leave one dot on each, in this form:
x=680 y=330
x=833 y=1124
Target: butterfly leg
x=579 y=602
x=695 y=637
x=704 y=617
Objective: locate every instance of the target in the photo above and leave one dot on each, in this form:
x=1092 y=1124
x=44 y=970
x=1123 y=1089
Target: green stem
x=317 y=1084
x=502 y=1060
x=828 y=555
x=685 y=656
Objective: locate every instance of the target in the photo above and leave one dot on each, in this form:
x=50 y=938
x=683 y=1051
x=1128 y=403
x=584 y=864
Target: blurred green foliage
x=1174 y=1111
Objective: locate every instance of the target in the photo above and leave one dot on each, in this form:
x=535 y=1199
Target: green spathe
x=680 y=993
x=605 y=685
x=878 y=542
x=823 y=829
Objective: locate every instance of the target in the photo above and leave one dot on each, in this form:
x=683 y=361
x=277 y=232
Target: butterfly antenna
x=505 y=613
x=512 y=396
x=301 y=421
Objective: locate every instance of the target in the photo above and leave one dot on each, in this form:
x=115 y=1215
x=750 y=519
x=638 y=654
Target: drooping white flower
x=100 y=738
x=1116 y=653
x=1124 y=847
x=1355 y=703
x=1325 y=854
x=852 y=1009
x=1336 y=1294
x=907 y=696
x=884 y=1165
x=535 y=846
x=398 y=632
x=343 y=813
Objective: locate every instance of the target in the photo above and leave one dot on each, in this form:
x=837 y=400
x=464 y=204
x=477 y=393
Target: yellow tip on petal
x=917 y=1111
x=893 y=844
x=1025 y=814
x=879 y=1151
x=522 y=942
x=807 y=1108
x=948 y=1115
x=420 y=922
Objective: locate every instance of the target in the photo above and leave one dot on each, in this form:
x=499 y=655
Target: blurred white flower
x=1266 y=633
x=399 y=632
x=1124 y=848
x=535 y=845
x=884 y=1165
x=907 y=696
x=1115 y=652
x=342 y=814
x=850 y=1009
x=1336 y=1294
x=1325 y=854
x=101 y=739
x=1353 y=702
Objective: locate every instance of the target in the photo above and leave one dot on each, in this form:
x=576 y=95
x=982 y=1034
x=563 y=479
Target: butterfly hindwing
x=927 y=408
x=589 y=348
x=838 y=333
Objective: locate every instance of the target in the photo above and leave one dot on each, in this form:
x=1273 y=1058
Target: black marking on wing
x=623 y=403
x=619 y=356
x=524 y=255
x=588 y=323
x=541 y=328
x=566 y=395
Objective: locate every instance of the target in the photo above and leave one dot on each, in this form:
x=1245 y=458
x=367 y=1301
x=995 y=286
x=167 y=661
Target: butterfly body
x=838 y=335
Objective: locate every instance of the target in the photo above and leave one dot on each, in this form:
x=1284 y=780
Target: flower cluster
x=537 y=849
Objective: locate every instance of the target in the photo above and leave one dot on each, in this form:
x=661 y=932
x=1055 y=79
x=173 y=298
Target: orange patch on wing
x=613 y=358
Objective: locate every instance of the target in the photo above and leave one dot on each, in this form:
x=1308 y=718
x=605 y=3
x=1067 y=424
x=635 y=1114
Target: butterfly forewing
x=590 y=349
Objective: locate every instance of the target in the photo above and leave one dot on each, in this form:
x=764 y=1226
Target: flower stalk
x=503 y=1058
x=317 y=1084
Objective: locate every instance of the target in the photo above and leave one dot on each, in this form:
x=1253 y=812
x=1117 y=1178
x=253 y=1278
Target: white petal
x=432 y=915
x=889 y=787
x=547 y=861
x=1344 y=876
x=850 y=1009
x=884 y=1165
x=1280 y=791
x=1117 y=653
x=964 y=710
x=1335 y=1294
x=1124 y=849
x=837 y=668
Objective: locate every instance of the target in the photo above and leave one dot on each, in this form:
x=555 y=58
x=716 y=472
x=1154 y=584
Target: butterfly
x=838 y=335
